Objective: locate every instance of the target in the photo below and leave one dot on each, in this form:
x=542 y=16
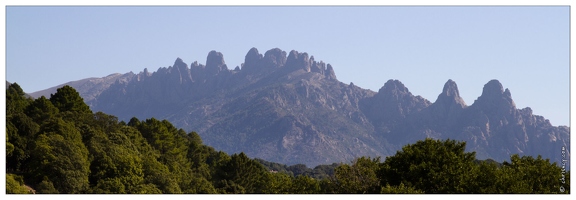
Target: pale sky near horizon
x=525 y=48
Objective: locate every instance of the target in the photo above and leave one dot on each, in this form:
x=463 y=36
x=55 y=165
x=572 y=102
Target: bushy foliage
x=432 y=166
x=15 y=185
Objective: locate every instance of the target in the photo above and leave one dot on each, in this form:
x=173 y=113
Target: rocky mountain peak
x=495 y=101
x=492 y=89
x=494 y=93
x=297 y=61
x=450 y=95
x=181 y=71
x=215 y=63
x=275 y=57
x=330 y=72
x=252 y=58
x=450 y=89
x=178 y=62
x=393 y=87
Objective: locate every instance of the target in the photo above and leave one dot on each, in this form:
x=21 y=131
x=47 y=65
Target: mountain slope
x=88 y=88
x=290 y=108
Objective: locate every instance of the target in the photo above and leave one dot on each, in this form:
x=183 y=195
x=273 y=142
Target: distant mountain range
x=290 y=108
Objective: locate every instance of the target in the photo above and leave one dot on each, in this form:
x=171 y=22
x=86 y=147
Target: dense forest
x=58 y=145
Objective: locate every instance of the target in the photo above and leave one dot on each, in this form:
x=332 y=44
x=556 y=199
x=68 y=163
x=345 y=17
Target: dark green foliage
x=245 y=172
x=319 y=172
x=432 y=166
x=360 y=177
x=20 y=128
x=20 y=131
x=46 y=187
x=41 y=110
x=305 y=185
x=62 y=161
x=60 y=146
x=528 y=175
x=16 y=100
x=15 y=185
x=400 y=189
x=68 y=99
x=299 y=169
x=278 y=183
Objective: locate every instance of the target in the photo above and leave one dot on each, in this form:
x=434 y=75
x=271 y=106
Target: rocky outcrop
x=215 y=64
x=391 y=105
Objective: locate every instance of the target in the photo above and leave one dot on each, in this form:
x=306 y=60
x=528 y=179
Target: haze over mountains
x=290 y=108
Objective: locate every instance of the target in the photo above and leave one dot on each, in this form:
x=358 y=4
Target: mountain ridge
x=290 y=108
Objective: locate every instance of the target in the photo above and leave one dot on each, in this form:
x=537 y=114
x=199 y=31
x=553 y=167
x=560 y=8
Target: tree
x=20 y=133
x=70 y=104
x=305 y=185
x=41 y=110
x=279 y=183
x=245 y=172
x=432 y=166
x=199 y=185
x=528 y=175
x=46 y=187
x=15 y=185
x=20 y=129
x=486 y=174
x=299 y=169
x=116 y=164
x=63 y=161
x=400 y=189
x=16 y=100
x=172 y=145
x=360 y=177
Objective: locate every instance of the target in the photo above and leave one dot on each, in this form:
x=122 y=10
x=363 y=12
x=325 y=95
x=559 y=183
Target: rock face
x=290 y=108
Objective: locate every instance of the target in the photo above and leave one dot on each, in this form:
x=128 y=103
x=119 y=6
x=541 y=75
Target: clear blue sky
x=525 y=48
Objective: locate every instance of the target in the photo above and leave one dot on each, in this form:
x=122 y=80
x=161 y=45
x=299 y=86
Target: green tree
x=432 y=166
x=71 y=105
x=46 y=187
x=61 y=160
x=400 y=189
x=68 y=99
x=528 y=175
x=116 y=164
x=486 y=175
x=16 y=100
x=303 y=184
x=200 y=185
x=20 y=132
x=172 y=145
x=15 y=185
x=359 y=178
x=41 y=110
x=279 y=183
x=245 y=172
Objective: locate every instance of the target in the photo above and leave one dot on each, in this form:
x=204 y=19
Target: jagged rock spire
x=275 y=57
x=215 y=63
x=393 y=87
x=495 y=99
x=252 y=58
x=450 y=95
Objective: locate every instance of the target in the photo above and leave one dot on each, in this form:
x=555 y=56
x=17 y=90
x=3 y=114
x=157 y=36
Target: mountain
x=88 y=88
x=289 y=108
